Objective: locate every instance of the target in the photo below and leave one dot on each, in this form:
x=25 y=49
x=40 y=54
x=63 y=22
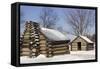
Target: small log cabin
x=82 y=43
x=36 y=40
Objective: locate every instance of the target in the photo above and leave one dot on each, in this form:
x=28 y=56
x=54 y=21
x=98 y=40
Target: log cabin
x=82 y=43
x=36 y=40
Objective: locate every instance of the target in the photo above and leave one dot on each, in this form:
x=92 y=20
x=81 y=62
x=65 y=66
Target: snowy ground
x=73 y=56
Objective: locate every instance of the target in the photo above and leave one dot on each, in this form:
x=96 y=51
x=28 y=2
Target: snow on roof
x=53 y=34
x=87 y=39
x=83 y=37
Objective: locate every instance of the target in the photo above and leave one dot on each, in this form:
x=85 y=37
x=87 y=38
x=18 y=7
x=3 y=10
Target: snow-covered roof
x=87 y=39
x=83 y=37
x=53 y=34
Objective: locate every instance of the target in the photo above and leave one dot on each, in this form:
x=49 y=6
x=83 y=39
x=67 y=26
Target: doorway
x=79 y=45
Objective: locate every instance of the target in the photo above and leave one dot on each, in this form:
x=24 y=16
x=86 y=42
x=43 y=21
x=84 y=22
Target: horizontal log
x=60 y=45
x=25 y=53
x=59 y=42
x=42 y=39
x=25 y=44
x=42 y=42
x=26 y=41
x=43 y=48
x=26 y=34
x=43 y=52
x=25 y=49
x=57 y=46
x=63 y=47
x=42 y=45
x=60 y=51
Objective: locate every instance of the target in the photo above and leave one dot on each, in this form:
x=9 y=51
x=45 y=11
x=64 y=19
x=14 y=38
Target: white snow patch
x=53 y=34
x=73 y=56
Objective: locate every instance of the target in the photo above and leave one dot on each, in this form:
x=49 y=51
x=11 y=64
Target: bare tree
x=79 y=20
x=48 y=18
